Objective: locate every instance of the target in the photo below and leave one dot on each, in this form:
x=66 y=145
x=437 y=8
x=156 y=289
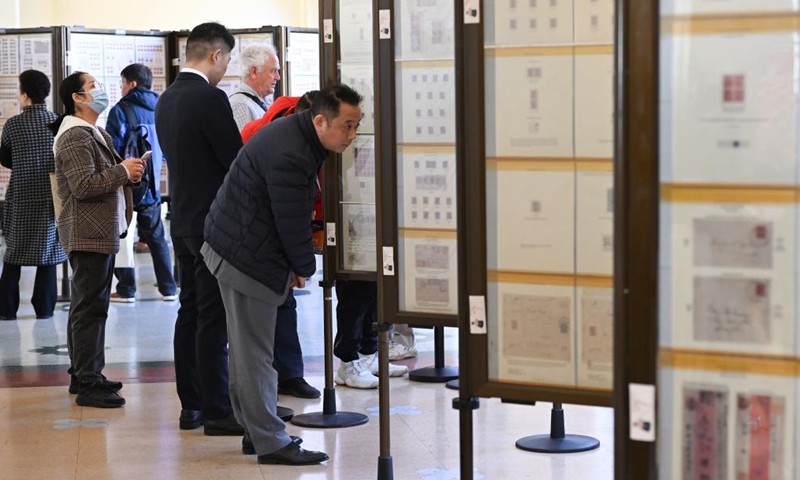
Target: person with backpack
x=131 y=124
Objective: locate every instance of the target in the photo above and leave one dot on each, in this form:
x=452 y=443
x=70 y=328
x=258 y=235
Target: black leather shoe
x=75 y=385
x=297 y=387
x=190 y=419
x=293 y=454
x=99 y=396
x=227 y=426
x=7 y=317
x=249 y=449
x=285 y=413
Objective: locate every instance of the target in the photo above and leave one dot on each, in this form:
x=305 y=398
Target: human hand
x=297 y=282
x=134 y=167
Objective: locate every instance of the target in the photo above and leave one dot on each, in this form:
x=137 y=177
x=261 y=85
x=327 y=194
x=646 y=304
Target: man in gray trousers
x=258 y=246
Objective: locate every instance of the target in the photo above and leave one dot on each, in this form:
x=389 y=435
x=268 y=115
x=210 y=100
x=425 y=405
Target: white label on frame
x=477 y=314
x=385 y=24
x=330 y=235
x=472 y=11
x=388 y=261
x=642 y=404
x=327 y=30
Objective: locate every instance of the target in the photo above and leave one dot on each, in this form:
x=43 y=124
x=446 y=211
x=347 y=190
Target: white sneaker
x=399 y=352
x=354 y=374
x=169 y=298
x=116 y=298
x=370 y=362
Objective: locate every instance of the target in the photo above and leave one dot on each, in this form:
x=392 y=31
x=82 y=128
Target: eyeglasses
x=97 y=85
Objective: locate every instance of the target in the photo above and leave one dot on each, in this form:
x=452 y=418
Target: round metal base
x=452 y=384
x=62 y=299
x=335 y=420
x=548 y=444
x=285 y=413
x=434 y=374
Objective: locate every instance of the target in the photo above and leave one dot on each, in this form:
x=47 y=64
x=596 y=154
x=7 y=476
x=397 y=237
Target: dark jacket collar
x=306 y=123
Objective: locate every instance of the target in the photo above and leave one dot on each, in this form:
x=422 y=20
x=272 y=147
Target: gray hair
x=255 y=55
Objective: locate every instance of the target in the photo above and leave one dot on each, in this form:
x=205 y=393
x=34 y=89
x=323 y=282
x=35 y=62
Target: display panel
x=303 y=57
x=549 y=185
x=425 y=122
x=728 y=324
x=356 y=196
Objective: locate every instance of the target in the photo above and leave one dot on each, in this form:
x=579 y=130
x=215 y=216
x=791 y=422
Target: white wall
x=157 y=14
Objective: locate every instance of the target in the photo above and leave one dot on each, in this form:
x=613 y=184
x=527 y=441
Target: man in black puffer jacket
x=258 y=245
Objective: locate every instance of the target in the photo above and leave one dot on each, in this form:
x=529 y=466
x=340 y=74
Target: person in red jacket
x=288 y=359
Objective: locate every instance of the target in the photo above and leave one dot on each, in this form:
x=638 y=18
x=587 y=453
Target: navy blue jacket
x=200 y=140
x=144 y=106
x=260 y=221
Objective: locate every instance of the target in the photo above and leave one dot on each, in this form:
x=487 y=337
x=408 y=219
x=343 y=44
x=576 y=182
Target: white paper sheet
x=119 y=51
x=426 y=190
x=425 y=103
x=732 y=100
x=355 y=31
x=594 y=21
x=531 y=220
x=36 y=52
x=595 y=332
x=9 y=55
x=595 y=223
x=594 y=106
x=531 y=333
x=358 y=171
x=151 y=51
x=687 y=7
x=529 y=106
x=528 y=22
x=359 y=238
x=424 y=30
x=429 y=274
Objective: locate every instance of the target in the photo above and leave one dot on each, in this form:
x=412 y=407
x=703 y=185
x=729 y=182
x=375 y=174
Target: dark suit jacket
x=200 y=140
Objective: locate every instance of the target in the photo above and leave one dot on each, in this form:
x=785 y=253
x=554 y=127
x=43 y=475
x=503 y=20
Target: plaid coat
x=89 y=175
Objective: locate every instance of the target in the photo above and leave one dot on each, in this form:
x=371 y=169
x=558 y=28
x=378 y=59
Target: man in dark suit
x=200 y=140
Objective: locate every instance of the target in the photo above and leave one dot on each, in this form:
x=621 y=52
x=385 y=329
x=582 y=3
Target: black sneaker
x=99 y=396
x=75 y=385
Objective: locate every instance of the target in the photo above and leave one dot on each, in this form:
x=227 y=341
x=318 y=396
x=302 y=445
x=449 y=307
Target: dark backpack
x=137 y=145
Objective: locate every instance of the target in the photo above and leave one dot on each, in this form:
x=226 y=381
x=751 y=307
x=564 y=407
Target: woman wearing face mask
x=94 y=188
x=28 y=222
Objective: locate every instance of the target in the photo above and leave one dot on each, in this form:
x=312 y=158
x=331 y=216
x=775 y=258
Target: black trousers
x=201 y=335
x=356 y=311
x=88 y=311
x=45 y=291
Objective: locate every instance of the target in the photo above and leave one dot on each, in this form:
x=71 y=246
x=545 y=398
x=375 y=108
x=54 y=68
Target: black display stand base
x=385 y=468
x=285 y=413
x=452 y=384
x=434 y=374
x=329 y=417
x=557 y=441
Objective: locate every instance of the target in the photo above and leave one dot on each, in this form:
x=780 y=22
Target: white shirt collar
x=196 y=72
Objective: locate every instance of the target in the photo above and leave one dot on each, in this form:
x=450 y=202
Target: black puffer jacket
x=260 y=221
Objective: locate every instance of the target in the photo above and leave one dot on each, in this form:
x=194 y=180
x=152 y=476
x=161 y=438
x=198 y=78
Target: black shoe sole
x=98 y=404
x=276 y=461
x=190 y=425
x=73 y=390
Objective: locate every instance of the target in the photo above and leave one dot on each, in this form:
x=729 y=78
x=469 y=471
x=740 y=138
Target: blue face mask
x=99 y=100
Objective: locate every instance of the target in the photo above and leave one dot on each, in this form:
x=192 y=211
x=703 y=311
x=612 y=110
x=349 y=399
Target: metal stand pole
x=65 y=293
x=558 y=441
x=438 y=373
x=385 y=466
x=329 y=417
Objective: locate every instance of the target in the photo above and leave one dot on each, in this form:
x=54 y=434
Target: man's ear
x=216 y=55
x=319 y=121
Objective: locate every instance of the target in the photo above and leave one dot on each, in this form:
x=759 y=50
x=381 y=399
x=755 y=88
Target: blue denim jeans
x=151 y=232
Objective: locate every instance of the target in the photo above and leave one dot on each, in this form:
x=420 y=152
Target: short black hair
x=207 y=37
x=304 y=102
x=327 y=101
x=35 y=85
x=141 y=74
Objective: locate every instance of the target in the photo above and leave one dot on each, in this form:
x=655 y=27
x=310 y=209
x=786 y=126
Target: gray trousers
x=251 y=310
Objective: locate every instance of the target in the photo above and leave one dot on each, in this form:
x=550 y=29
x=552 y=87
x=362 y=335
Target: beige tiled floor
x=44 y=435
